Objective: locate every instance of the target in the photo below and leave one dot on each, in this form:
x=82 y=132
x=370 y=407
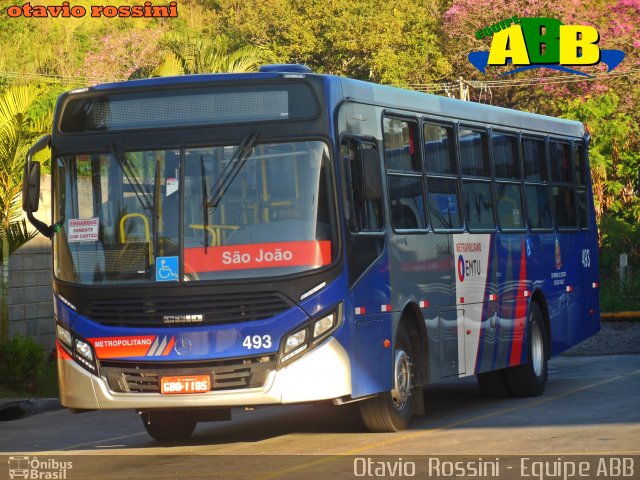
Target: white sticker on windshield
x=172 y=186
x=83 y=229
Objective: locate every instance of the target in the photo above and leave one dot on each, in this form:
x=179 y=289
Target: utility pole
x=464 y=90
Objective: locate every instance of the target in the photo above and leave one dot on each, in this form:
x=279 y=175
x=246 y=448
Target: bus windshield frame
x=145 y=216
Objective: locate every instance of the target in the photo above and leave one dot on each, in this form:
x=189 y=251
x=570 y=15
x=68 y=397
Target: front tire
x=168 y=425
x=391 y=411
x=529 y=380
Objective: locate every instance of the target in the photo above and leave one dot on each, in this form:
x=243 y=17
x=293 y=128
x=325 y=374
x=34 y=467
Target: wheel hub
x=402 y=379
x=537 y=350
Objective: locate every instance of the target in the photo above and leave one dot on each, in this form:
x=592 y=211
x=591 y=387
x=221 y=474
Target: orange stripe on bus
x=169 y=347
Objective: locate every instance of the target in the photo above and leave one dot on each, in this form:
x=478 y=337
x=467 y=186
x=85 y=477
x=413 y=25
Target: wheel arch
x=412 y=318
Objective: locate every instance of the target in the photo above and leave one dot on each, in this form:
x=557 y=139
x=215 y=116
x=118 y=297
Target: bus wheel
x=168 y=425
x=529 y=380
x=493 y=384
x=391 y=411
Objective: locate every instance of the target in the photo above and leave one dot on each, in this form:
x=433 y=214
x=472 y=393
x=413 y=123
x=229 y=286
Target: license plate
x=190 y=384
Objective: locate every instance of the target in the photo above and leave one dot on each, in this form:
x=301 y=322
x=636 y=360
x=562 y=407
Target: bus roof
x=454 y=109
x=385 y=96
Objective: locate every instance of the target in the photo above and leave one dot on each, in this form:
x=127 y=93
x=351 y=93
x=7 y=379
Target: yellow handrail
x=147 y=235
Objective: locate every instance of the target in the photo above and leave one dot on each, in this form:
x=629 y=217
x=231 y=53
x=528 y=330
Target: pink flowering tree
x=133 y=54
x=617 y=23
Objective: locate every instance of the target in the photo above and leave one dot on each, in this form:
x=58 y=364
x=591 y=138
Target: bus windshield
x=193 y=214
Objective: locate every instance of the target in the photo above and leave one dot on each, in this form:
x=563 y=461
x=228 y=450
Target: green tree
x=375 y=40
x=613 y=151
x=17 y=132
x=187 y=54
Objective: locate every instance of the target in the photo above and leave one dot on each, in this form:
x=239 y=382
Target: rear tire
x=168 y=425
x=391 y=411
x=493 y=384
x=529 y=380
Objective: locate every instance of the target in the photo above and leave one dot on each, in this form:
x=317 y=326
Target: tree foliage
x=128 y=55
x=614 y=156
x=405 y=42
x=376 y=40
x=18 y=130
x=187 y=54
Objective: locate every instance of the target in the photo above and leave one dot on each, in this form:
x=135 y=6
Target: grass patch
x=46 y=386
x=25 y=370
x=615 y=297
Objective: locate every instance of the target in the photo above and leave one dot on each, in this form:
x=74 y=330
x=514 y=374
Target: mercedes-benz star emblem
x=183 y=346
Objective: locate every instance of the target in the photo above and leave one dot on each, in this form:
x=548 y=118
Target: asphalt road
x=591 y=406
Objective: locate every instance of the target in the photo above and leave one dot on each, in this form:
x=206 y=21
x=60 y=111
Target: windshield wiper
x=137 y=188
x=236 y=162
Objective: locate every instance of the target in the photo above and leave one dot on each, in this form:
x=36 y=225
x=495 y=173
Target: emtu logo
x=461 y=268
x=543 y=43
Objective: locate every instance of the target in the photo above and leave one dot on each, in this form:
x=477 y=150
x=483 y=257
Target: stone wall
x=30 y=292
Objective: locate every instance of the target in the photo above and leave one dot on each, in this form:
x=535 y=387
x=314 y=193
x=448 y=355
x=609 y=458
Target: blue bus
x=285 y=237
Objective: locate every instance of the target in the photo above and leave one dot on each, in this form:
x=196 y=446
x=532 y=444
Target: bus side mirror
x=31 y=187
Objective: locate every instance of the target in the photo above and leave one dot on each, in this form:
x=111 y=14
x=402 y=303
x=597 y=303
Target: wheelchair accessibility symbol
x=167 y=269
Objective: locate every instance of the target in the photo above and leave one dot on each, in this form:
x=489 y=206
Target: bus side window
x=404 y=174
x=443 y=197
x=476 y=179
x=536 y=190
x=580 y=161
x=506 y=161
x=563 y=190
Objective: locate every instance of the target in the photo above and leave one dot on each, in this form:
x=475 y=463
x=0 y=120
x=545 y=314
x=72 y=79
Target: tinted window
x=366 y=187
x=439 y=154
x=564 y=206
x=505 y=155
x=535 y=164
x=580 y=161
x=478 y=205
x=509 y=206
x=401 y=147
x=538 y=208
x=473 y=153
x=560 y=162
x=583 y=216
x=407 y=207
x=442 y=200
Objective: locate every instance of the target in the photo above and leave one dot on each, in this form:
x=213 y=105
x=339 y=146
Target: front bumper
x=322 y=374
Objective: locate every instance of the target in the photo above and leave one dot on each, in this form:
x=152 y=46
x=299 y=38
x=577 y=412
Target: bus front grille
x=187 y=310
x=130 y=377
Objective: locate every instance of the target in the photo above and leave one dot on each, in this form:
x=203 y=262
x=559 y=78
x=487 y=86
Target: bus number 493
x=257 y=341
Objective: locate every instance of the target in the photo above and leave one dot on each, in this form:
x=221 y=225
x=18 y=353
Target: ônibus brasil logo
x=542 y=43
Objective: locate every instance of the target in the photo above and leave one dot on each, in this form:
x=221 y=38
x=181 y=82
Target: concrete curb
x=16 y=408
x=620 y=316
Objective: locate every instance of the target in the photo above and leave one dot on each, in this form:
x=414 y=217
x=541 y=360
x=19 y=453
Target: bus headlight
x=323 y=325
x=64 y=336
x=295 y=340
x=309 y=335
x=80 y=350
x=84 y=349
